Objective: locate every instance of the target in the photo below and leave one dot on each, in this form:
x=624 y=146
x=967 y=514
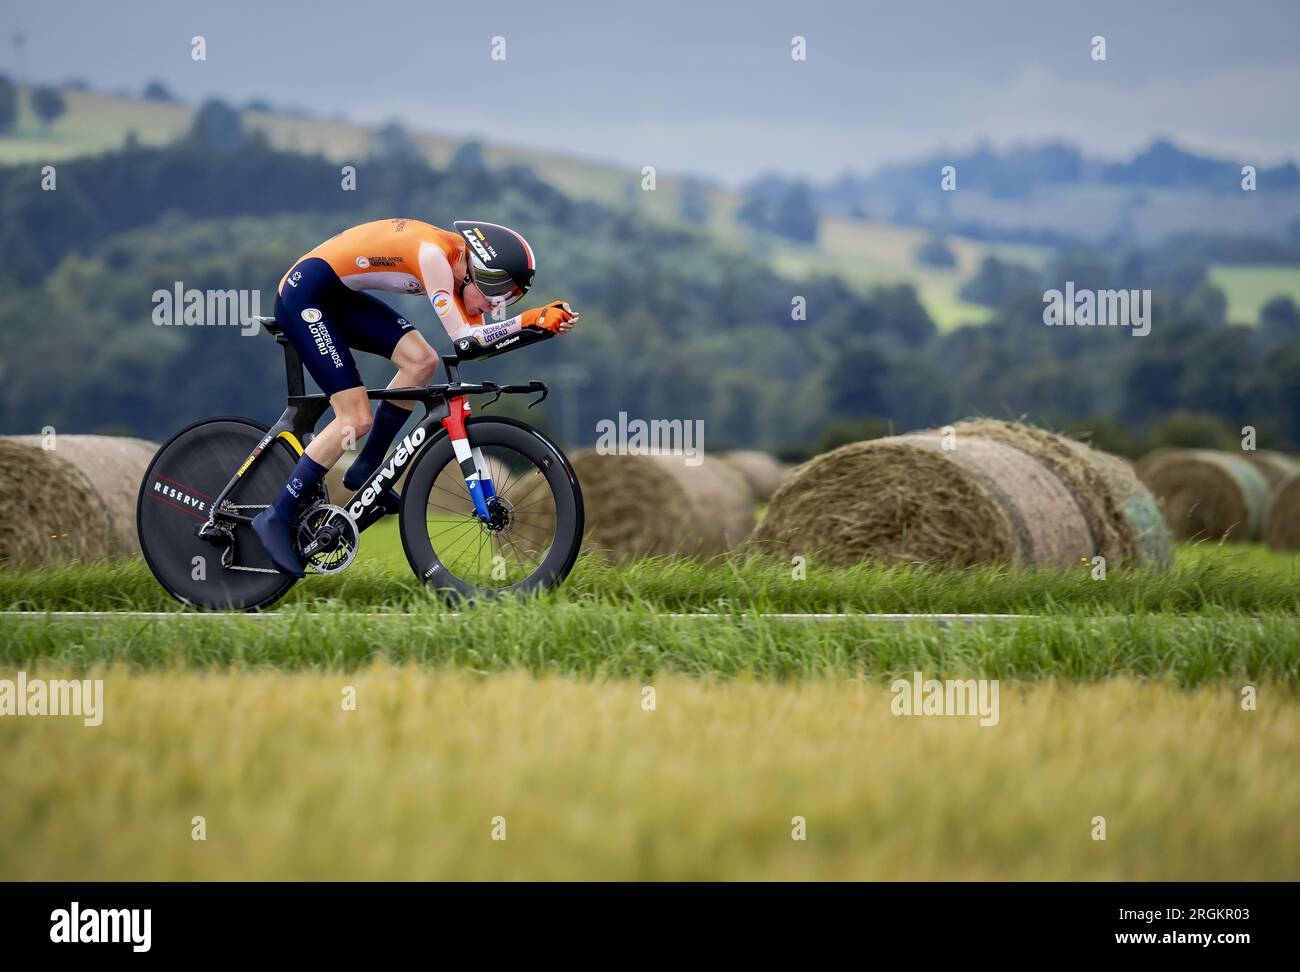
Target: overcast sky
x=711 y=87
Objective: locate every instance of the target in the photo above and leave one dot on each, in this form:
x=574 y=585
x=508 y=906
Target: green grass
x=1249 y=287
x=1244 y=579
x=92 y=123
x=1223 y=612
x=609 y=639
x=591 y=785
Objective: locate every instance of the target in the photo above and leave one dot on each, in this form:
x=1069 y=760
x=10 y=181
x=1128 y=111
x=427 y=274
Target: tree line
x=675 y=323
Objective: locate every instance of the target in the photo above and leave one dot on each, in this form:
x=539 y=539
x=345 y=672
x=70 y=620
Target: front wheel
x=535 y=532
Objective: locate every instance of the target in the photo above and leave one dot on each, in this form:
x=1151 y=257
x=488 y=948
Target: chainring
x=342 y=549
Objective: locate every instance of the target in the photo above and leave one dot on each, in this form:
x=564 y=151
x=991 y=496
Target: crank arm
x=326 y=540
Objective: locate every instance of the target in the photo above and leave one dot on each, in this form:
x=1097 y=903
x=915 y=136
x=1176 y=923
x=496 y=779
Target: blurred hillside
x=687 y=291
x=869 y=229
x=864 y=252
x=1052 y=193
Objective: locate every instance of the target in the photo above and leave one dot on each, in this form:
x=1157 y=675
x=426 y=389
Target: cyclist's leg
x=307 y=314
x=372 y=326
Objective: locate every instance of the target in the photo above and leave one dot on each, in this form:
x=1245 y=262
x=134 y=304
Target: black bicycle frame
x=445 y=404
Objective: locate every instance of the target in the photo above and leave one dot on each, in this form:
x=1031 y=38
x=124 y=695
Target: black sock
x=305 y=476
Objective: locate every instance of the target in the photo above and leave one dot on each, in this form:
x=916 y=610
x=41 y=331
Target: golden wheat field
x=584 y=781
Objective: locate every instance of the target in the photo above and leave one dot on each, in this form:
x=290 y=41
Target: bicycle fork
x=473 y=466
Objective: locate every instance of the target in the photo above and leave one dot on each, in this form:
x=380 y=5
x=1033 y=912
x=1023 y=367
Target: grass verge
x=591 y=785
x=1245 y=579
x=622 y=639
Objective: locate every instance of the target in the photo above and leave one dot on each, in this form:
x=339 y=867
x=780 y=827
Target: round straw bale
x=334 y=480
x=760 y=471
x=1282 y=522
x=114 y=465
x=49 y=512
x=1276 y=467
x=907 y=499
x=646 y=506
x=1148 y=461
x=1122 y=515
x=532 y=502
x=1209 y=495
x=1145 y=532
x=525 y=490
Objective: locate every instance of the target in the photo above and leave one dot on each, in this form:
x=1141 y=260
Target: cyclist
x=323 y=311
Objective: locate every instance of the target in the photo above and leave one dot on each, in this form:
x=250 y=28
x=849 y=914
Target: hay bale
x=530 y=497
x=1275 y=467
x=1122 y=515
x=114 y=466
x=760 y=471
x=334 y=479
x=1282 y=522
x=49 y=512
x=1148 y=462
x=647 y=506
x=1152 y=544
x=338 y=493
x=1209 y=495
x=525 y=489
x=905 y=499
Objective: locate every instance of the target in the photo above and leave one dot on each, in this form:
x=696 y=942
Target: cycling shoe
x=276 y=534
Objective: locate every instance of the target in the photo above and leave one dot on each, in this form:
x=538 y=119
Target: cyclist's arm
x=440 y=285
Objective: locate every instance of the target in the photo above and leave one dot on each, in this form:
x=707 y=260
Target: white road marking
x=456 y=615
x=943 y=620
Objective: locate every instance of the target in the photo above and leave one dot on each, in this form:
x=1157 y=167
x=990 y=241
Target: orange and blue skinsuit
x=324 y=311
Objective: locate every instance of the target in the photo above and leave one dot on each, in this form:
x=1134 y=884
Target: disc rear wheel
x=179 y=486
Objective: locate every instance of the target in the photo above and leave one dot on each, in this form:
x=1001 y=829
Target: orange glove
x=556 y=317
